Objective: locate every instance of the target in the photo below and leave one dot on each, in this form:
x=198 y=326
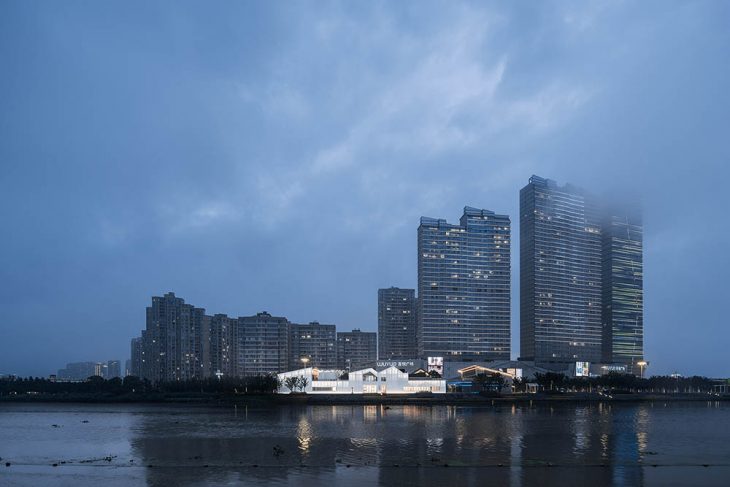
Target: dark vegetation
x=620 y=383
x=489 y=382
x=132 y=388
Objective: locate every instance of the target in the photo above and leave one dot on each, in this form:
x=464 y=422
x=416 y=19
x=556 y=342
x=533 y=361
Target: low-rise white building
x=366 y=381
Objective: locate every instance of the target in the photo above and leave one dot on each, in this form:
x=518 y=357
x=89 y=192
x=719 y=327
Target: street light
x=305 y=360
x=642 y=364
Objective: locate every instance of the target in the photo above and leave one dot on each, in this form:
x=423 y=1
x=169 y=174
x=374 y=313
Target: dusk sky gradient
x=277 y=156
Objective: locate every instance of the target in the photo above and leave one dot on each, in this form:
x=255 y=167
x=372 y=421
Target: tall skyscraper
x=263 y=345
x=313 y=345
x=397 y=337
x=623 y=290
x=174 y=346
x=356 y=349
x=464 y=287
x=223 y=348
x=560 y=274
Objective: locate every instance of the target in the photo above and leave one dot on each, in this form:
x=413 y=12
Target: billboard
x=437 y=364
x=582 y=369
x=384 y=364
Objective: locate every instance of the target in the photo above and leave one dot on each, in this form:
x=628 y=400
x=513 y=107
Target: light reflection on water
x=304 y=433
x=596 y=444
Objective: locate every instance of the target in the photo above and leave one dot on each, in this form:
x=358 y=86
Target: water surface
x=597 y=444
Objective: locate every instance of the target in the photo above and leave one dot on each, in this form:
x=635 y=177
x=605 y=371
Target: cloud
x=277 y=100
x=437 y=95
x=268 y=146
x=583 y=16
x=181 y=220
x=113 y=233
x=546 y=109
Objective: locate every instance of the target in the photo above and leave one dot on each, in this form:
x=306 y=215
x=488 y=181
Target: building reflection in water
x=399 y=445
x=582 y=445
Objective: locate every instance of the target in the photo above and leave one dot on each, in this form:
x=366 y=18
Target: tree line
x=550 y=381
x=664 y=384
x=131 y=385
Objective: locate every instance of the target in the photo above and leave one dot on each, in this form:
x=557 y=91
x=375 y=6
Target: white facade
x=365 y=381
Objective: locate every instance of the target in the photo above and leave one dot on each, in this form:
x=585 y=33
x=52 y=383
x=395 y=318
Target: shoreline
x=450 y=399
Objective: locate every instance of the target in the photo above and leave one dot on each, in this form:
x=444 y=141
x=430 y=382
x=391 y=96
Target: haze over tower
x=623 y=286
x=560 y=274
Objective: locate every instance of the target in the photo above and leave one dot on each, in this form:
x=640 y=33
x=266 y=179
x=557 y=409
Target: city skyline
x=480 y=233
x=581 y=301
x=278 y=157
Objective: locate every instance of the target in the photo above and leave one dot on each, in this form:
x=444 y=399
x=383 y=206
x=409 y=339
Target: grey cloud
x=258 y=156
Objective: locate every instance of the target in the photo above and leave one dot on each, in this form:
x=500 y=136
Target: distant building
x=464 y=287
x=113 y=369
x=174 y=340
x=264 y=345
x=397 y=338
x=623 y=288
x=100 y=370
x=560 y=274
x=79 y=371
x=137 y=356
x=356 y=348
x=313 y=345
x=224 y=346
x=128 y=368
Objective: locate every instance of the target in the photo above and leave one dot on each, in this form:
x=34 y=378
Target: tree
x=291 y=383
x=497 y=380
x=302 y=383
x=493 y=381
x=550 y=380
x=519 y=384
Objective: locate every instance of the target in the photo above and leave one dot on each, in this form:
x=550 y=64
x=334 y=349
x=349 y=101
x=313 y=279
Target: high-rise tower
x=623 y=290
x=464 y=287
x=397 y=324
x=356 y=349
x=312 y=345
x=174 y=337
x=560 y=274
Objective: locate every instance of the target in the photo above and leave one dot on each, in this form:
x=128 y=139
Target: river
x=653 y=444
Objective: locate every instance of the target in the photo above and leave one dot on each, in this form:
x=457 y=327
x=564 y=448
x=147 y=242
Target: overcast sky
x=278 y=155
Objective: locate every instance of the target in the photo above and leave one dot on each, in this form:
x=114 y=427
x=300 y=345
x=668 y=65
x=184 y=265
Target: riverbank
x=355 y=399
x=476 y=399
